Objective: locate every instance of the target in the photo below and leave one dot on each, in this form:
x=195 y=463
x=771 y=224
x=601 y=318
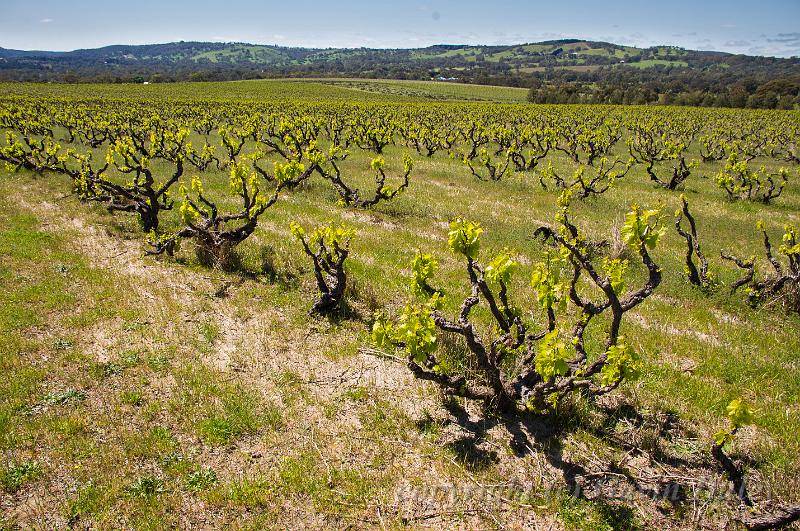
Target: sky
x=765 y=27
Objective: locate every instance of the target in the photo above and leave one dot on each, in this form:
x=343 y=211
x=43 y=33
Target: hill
x=568 y=70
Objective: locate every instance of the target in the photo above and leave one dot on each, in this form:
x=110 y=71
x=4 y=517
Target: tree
x=548 y=364
x=328 y=248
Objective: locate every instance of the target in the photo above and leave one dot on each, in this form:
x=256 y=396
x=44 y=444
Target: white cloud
x=786 y=38
x=46 y=20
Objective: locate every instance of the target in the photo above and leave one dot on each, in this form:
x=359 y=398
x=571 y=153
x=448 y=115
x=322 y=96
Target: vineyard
x=379 y=305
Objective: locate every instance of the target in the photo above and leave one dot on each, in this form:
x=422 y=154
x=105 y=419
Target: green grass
x=267 y=90
x=201 y=479
x=649 y=63
x=18 y=474
x=433 y=90
x=146 y=487
x=242 y=53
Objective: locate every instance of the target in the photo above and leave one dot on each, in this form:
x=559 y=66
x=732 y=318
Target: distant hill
x=562 y=70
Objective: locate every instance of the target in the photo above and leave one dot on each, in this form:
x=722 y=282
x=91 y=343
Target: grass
x=201 y=479
x=285 y=89
x=241 y=53
x=18 y=474
x=649 y=63
x=144 y=400
x=146 y=487
x=432 y=90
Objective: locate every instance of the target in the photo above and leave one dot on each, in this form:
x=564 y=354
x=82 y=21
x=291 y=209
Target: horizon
x=460 y=44
x=737 y=27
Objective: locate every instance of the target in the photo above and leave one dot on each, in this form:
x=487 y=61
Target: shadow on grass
x=532 y=433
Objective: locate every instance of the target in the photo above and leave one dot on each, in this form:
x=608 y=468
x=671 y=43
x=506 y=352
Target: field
x=193 y=387
x=303 y=90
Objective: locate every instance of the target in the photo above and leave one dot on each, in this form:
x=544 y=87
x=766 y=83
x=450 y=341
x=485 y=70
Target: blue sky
x=766 y=27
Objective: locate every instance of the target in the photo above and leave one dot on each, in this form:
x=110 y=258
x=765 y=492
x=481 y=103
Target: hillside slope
x=569 y=70
x=556 y=54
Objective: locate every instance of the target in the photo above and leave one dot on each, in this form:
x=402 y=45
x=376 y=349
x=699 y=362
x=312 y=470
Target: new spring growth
x=464 y=238
x=739 y=414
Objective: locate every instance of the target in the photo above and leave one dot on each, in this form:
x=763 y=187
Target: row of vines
x=147 y=158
